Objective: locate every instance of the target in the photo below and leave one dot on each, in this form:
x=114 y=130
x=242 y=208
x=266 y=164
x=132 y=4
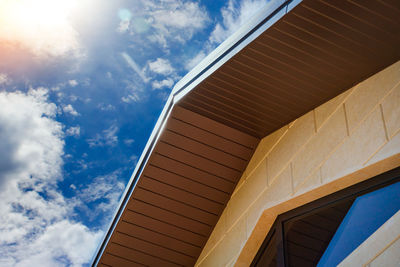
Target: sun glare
x=38 y=24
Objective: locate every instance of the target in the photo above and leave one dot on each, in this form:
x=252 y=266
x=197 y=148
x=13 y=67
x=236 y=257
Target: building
x=292 y=119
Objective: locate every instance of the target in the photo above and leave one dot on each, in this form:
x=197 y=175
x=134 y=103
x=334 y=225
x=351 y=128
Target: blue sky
x=82 y=84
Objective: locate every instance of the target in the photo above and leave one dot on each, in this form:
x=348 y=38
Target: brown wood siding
x=181 y=193
x=312 y=54
x=309 y=56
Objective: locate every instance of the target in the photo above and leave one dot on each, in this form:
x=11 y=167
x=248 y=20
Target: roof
x=276 y=68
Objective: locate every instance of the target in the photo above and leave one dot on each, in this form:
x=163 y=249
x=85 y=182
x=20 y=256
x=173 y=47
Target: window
x=326 y=231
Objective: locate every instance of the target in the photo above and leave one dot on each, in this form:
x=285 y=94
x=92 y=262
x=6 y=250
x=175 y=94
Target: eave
x=273 y=70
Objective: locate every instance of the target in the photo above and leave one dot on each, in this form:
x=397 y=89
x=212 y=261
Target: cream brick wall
x=353 y=137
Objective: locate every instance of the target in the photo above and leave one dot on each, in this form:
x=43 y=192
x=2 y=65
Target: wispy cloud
x=135 y=92
x=104 y=189
x=166 y=22
x=135 y=67
x=107 y=137
x=105 y=107
x=129 y=142
x=178 y=20
x=73 y=131
x=235 y=14
x=130 y=98
x=73 y=83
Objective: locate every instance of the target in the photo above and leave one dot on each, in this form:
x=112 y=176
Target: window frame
x=352 y=192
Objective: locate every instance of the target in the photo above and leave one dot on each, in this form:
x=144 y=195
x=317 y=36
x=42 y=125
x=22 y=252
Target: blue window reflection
x=365 y=216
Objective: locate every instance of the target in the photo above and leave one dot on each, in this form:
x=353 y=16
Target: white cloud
x=123 y=26
x=129 y=142
x=108 y=137
x=180 y=15
x=234 y=15
x=36 y=228
x=55 y=88
x=163 y=22
x=194 y=61
x=73 y=131
x=161 y=66
x=4 y=79
x=159 y=38
x=73 y=83
x=61 y=239
x=105 y=107
x=70 y=109
x=83 y=165
x=168 y=83
x=42 y=142
x=73 y=98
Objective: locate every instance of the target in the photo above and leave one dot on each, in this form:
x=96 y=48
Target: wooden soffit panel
x=203 y=142
x=315 y=52
x=181 y=193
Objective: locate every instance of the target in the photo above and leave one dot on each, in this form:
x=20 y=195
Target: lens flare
x=124 y=14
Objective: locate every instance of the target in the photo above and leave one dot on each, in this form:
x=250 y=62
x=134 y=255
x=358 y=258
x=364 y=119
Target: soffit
x=312 y=54
x=181 y=193
x=192 y=166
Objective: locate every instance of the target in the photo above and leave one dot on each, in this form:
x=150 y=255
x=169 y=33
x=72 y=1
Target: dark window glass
x=307 y=236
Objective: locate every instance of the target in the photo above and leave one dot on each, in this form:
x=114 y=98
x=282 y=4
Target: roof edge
x=236 y=42
x=261 y=21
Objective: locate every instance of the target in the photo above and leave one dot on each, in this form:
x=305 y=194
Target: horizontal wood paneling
x=312 y=54
x=318 y=50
